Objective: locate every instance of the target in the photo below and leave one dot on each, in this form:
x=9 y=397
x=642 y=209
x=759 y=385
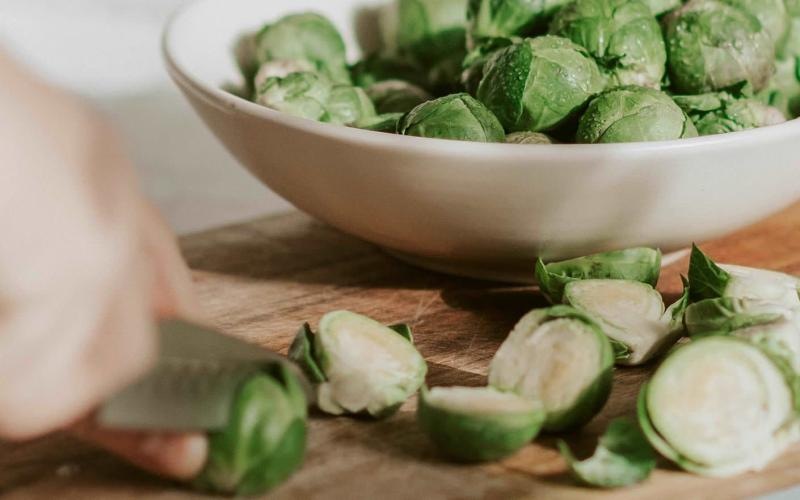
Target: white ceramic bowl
x=483 y=210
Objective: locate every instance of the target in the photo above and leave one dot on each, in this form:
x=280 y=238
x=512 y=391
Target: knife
x=192 y=385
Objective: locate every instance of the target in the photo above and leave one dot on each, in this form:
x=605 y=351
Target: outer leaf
x=636 y=264
x=723 y=315
x=404 y=330
x=706 y=279
x=302 y=352
x=623 y=457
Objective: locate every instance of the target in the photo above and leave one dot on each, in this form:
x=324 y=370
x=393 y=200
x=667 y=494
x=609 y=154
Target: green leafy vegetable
x=456 y=116
x=623 y=457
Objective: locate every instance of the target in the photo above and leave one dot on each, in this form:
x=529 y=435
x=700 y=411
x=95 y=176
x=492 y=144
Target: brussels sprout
x=540 y=83
x=630 y=313
x=378 y=68
x=396 y=96
x=380 y=123
x=623 y=457
x=244 y=52
x=425 y=30
x=347 y=105
x=712 y=45
x=708 y=280
x=456 y=116
x=723 y=112
x=637 y=264
x=779 y=338
x=264 y=440
x=529 y=138
x=475 y=60
x=358 y=364
x=658 y=7
x=622 y=35
x=506 y=18
x=722 y=315
x=719 y=406
x=308 y=36
x=280 y=69
x=299 y=94
x=770 y=13
x=633 y=114
x=473 y=424
x=560 y=358
x=783 y=92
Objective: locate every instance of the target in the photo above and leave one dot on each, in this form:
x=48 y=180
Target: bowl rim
x=220 y=98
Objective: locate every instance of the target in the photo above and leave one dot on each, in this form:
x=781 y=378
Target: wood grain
x=261 y=280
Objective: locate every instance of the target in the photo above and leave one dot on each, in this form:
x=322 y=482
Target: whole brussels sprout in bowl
x=475 y=208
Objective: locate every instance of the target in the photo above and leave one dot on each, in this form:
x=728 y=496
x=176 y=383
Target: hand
x=85 y=267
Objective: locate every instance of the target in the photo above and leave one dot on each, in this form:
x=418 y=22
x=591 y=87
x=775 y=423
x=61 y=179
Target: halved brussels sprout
x=779 y=338
x=505 y=18
x=307 y=36
x=380 y=123
x=630 y=313
x=478 y=423
x=623 y=457
x=456 y=116
x=358 y=364
x=723 y=315
x=637 y=264
x=712 y=45
x=299 y=94
x=348 y=104
x=379 y=68
x=708 y=280
x=264 y=440
x=719 y=406
x=622 y=35
x=723 y=112
x=633 y=114
x=539 y=84
x=396 y=96
x=529 y=138
x=560 y=358
x=476 y=59
x=280 y=69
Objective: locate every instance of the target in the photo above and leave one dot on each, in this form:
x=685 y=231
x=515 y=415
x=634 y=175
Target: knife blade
x=193 y=383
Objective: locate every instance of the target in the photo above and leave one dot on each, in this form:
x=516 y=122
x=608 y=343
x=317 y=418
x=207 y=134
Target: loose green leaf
x=623 y=457
x=723 y=315
x=302 y=353
x=404 y=330
x=706 y=279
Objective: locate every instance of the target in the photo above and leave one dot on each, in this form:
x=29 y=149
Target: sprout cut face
x=622 y=35
x=457 y=116
x=637 y=264
x=633 y=114
x=559 y=358
x=629 y=312
x=719 y=406
x=366 y=366
x=478 y=423
x=712 y=45
x=539 y=84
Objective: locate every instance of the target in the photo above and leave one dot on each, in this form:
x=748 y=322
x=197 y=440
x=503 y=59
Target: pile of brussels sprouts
x=539 y=71
x=724 y=398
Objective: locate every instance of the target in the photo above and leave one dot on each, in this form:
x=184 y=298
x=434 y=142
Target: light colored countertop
x=108 y=51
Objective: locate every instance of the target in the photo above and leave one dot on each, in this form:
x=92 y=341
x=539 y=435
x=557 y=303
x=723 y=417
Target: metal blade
x=193 y=383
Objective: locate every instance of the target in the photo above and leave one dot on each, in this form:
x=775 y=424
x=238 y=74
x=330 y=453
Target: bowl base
x=521 y=273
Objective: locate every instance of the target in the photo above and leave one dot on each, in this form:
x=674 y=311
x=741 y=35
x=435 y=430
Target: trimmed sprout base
x=719 y=406
x=367 y=367
x=631 y=313
x=559 y=357
x=478 y=423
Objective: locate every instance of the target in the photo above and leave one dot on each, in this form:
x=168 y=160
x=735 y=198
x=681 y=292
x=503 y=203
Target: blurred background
x=108 y=51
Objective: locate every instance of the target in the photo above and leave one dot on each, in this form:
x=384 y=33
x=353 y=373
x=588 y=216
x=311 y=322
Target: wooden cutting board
x=261 y=280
